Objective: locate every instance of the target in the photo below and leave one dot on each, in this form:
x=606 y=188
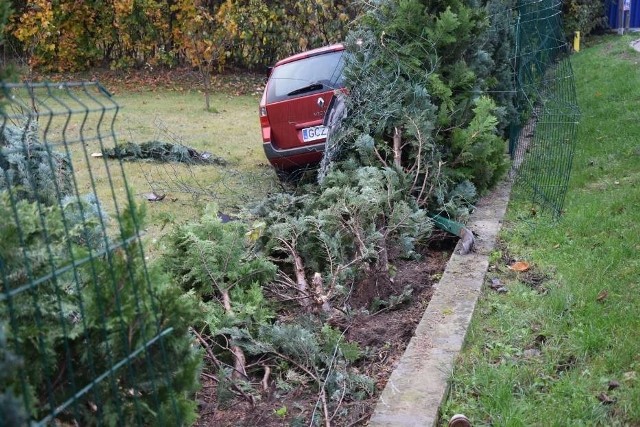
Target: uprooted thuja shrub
x=420 y=136
x=417 y=72
x=246 y=344
x=340 y=232
x=214 y=260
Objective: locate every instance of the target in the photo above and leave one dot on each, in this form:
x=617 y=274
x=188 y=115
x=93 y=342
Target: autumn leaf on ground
x=602 y=295
x=497 y=286
x=495 y=283
x=153 y=197
x=520 y=266
x=602 y=397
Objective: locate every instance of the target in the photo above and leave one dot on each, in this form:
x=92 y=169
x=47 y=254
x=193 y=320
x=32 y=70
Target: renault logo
x=320 y=102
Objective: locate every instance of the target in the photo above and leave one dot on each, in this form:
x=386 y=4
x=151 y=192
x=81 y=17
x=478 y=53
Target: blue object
x=634 y=22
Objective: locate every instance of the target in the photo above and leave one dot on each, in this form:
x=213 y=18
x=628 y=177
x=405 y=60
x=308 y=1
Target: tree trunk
x=206 y=79
x=360 y=246
x=322 y=298
x=397 y=150
x=383 y=256
x=382 y=264
x=239 y=359
x=301 y=279
x=239 y=363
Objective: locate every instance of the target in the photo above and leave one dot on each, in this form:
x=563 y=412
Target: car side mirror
x=269 y=71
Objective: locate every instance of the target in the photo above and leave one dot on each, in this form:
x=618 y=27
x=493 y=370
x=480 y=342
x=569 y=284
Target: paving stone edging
x=420 y=382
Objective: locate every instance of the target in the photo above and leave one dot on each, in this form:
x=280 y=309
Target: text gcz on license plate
x=314 y=133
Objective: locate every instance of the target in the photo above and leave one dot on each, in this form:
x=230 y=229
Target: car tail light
x=264 y=118
x=264 y=124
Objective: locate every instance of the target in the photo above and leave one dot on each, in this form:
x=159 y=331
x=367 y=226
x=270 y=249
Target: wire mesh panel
x=542 y=142
x=88 y=333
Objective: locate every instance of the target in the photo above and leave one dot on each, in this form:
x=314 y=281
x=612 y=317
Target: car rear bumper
x=292 y=158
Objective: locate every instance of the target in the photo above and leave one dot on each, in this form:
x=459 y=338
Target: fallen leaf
x=495 y=283
x=602 y=295
x=613 y=384
x=520 y=266
x=153 y=197
x=629 y=376
x=256 y=231
x=602 y=397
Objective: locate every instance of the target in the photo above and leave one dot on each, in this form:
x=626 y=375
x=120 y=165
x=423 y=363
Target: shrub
x=213 y=260
x=74 y=307
x=83 y=321
x=68 y=35
x=34 y=170
x=416 y=73
x=220 y=263
x=584 y=16
x=265 y=33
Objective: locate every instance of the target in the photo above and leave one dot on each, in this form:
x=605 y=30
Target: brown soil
x=383 y=334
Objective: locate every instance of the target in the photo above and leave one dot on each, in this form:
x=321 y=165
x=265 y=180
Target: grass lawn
x=233 y=133
x=562 y=346
x=174 y=114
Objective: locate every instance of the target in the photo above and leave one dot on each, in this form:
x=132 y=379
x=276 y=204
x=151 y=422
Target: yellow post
x=576 y=41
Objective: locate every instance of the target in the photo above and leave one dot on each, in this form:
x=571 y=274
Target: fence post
x=620 y=17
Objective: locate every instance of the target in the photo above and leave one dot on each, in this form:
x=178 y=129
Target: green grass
x=543 y=355
x=232 y=132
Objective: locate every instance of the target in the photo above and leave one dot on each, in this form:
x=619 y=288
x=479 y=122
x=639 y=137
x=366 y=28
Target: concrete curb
x=420 y=382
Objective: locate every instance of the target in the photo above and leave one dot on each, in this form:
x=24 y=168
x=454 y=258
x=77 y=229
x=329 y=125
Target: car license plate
x=314 y=133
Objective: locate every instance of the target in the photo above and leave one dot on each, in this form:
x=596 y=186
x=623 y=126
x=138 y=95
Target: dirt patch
x=382 y=327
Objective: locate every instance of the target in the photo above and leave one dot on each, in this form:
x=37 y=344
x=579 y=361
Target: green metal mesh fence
x=86 y=333
x=543 y=140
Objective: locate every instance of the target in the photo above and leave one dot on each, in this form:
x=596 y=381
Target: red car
x=293 y=106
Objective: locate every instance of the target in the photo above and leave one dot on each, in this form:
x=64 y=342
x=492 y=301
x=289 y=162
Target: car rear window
x=324 y=69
